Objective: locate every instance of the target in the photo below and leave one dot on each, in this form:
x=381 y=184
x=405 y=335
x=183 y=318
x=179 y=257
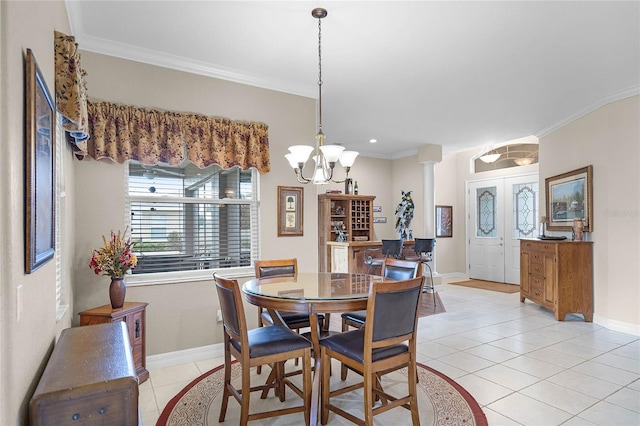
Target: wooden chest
x=90 y=379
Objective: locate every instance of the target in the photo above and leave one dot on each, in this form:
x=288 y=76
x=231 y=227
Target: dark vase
x=117 y=291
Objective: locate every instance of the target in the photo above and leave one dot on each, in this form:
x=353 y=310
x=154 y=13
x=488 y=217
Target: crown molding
x=180 y=63
x=617 y=96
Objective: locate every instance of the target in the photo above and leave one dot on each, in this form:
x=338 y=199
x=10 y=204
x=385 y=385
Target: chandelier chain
x=320 y=73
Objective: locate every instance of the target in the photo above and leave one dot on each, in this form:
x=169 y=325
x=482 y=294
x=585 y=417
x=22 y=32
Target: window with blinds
x=188 y=219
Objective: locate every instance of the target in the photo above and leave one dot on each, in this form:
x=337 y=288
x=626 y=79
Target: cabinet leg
x=522 y=299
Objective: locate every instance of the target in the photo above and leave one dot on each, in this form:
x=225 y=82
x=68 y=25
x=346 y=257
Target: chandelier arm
x=300 y=177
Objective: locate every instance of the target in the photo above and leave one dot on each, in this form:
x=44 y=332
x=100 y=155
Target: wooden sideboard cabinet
x=558 y=276
x=89 y=379
x=133 y=314
x=355 y=212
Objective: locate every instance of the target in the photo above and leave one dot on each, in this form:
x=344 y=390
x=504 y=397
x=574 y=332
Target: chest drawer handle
x=102 y=410
x=137 y=328
x=76 y=416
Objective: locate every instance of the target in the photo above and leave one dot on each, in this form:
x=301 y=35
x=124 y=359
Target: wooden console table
x=558 y=276
x=89 y=379
x=133 y=314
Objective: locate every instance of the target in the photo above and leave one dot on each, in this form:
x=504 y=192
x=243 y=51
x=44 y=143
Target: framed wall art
x=290 y=214
x=569 y=196
x=444 y=221
x=39 y=168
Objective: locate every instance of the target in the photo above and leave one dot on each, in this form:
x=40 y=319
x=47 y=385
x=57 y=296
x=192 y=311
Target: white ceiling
x=458 y=74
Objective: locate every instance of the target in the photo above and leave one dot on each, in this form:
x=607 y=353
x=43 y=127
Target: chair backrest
x=393 y=306
x=233 y=319
x=392 y=248
x=276 y=268
x=424 y=245
x=398 y=269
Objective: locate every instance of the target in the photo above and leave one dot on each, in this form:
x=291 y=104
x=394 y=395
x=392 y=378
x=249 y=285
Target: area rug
x=441 y=401
x=489 y=285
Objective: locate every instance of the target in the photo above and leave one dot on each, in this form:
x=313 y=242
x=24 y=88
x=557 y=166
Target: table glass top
x=313 y=286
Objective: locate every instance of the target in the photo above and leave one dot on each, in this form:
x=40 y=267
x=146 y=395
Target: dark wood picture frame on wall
x=444 y=221
x=290 y=213
x=39 y=168
x=567 y=196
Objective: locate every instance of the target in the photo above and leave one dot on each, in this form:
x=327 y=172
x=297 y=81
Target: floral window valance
x=122 y=133
x=71 y=90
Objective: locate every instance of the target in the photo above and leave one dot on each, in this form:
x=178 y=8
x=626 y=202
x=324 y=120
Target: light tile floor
x=520 y=364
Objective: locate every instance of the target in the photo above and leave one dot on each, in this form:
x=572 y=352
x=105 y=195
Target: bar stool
x=423 y=249
x=390 y=248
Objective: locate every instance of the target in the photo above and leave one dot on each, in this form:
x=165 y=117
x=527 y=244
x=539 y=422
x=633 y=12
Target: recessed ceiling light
x=373 y=140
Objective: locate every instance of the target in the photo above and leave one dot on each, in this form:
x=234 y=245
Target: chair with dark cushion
x=282 y=268
x=386 y=343
x=391 y=268
x=423 y=249
x=395 y=269
x=260 y=346
x=373 y=257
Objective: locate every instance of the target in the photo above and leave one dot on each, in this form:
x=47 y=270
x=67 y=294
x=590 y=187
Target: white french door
x=500 y=212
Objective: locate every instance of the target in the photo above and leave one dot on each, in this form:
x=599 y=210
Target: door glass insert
x=525 y=202
x=486 y=202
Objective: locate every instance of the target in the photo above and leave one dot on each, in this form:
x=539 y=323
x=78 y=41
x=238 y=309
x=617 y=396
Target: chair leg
x=431 y=286
x=413 y=371
x=227 y=383
x=259 y=368
x=343 y=368
x=245 y=395
x=369 y=380
x=325 y=390
x=306 y=386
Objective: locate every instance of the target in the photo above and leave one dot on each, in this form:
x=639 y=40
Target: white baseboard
x=622 y=327
x=184 y=356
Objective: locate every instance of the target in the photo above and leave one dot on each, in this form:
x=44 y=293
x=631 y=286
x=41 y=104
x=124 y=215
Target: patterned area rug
x=441 y=401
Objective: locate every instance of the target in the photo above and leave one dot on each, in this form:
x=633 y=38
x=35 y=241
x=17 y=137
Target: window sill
x=186 y=276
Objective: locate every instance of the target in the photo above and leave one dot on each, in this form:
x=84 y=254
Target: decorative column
x=428 y=156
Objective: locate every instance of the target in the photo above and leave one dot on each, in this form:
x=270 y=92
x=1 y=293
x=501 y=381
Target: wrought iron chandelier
x=325 y=156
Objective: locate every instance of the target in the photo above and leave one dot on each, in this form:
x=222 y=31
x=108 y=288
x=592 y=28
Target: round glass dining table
x=311 y=293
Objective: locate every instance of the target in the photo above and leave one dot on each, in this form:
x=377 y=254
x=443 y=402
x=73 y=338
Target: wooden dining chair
x=386 y=343
x=395 y=269
x=282 y=268
x=260 y=346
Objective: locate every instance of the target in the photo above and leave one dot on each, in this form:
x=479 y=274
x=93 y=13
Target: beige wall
x=25 y=343
x=608 y=139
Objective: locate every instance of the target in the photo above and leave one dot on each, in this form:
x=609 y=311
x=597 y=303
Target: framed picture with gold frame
x=290 y=211
x=569 y=196
x=39 y=168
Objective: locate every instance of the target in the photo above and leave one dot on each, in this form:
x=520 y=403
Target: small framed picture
x=444 y=221
x=290 y=214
